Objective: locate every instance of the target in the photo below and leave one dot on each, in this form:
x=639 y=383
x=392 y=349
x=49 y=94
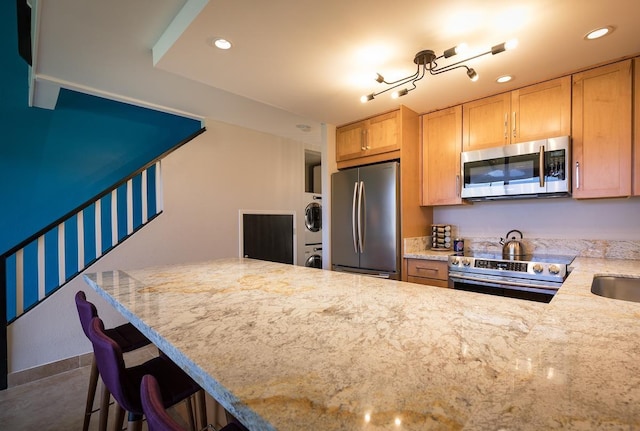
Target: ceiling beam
x=178 y=25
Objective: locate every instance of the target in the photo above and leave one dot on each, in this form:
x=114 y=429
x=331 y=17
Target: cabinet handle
x=541 y=167
x=506 y=126
x=458 y=185
x=577 y=175
x=514 y=124
x=422 y=268
x=363 y=139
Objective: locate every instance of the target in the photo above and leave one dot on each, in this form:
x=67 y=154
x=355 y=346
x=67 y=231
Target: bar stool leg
x=104 y=408
x=117 y=425
x=190 y=414
x=91 y=394
x=200 y=397
x=135 y=422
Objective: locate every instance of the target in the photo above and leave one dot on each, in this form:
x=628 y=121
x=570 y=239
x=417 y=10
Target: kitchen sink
x=625 y=288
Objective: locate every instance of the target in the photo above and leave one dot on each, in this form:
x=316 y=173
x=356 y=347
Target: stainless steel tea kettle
x=512 y=248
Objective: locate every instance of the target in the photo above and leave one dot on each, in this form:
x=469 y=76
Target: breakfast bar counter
x=288 y=348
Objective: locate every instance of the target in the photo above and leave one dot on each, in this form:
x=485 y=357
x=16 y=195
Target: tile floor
x=57 y=402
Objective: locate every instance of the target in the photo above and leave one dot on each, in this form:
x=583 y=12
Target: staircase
x=37 y=267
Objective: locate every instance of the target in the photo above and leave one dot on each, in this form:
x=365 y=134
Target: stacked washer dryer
x=313 y=230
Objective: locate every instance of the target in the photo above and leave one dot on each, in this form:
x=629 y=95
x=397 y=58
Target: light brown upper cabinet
x=376 y=135
x=441 y=146
x=636 y=138
x=534 y=112
x=602 y=134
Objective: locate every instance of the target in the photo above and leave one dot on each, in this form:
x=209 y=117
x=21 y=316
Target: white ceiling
x=308 y=62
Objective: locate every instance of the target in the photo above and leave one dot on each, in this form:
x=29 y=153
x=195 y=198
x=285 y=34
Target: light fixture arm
x=399 y=82
x=447 y=68
x=456 y=65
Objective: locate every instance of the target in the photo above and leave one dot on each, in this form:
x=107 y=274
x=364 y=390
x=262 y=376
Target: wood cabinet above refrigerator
x=377 y=136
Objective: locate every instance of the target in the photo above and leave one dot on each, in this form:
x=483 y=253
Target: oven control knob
x=454 y=261
x=554 y=269
x=537 y=268
x=466 y=262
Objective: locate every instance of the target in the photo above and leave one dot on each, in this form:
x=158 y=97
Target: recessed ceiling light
x=598 y=33
x=221 y=43
x=504 y=78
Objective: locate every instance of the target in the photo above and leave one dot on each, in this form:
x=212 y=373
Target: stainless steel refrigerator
x=365 y=220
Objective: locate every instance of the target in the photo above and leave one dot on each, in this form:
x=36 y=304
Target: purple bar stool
x=157 y=417
x=126 y=336
x=124 y=383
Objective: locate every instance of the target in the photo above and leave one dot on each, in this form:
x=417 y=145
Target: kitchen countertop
x=288 y=348
x=442 y=255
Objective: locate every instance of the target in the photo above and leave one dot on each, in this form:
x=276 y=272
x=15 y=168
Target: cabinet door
x=441 y=146
x=541 y=111
x=350 y=141
x=486 y=122
x=383 y=133
x=636 y=128
x=602 y=132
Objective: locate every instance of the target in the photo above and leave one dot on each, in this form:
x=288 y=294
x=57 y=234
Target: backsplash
x=608 y=249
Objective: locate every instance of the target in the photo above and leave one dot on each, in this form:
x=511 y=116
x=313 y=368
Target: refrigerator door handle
x=354 y=226
x=361 y=215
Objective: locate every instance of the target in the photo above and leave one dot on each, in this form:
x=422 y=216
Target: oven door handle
x=494 y=281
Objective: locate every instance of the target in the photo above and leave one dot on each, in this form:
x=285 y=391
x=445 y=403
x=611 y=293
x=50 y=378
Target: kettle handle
x=514 y=230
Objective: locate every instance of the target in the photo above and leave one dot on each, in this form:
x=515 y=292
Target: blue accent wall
x=52 y=161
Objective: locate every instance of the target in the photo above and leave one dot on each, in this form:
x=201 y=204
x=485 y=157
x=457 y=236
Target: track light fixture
x=426 y=61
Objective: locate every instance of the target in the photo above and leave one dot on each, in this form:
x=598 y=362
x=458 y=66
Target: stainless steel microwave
x=529 y=169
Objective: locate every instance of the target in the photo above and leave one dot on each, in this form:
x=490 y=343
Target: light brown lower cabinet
x=431 y=272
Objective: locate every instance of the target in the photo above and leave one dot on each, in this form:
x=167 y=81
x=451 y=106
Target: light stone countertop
x=292 y=348
x=442 y=255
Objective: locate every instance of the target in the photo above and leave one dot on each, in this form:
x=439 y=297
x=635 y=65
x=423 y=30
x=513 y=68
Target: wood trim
x=415 y=219
x=366 y=160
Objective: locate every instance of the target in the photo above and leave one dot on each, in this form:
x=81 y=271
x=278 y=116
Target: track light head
x=399 y=93
x=367 y=98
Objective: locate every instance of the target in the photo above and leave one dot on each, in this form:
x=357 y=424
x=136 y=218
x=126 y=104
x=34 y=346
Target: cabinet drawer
x=436 y=269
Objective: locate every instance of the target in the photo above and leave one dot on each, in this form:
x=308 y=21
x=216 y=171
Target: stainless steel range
x=532 y=277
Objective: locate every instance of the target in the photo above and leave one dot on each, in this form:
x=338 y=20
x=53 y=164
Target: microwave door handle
x=354 y=226
x=541 y=167
x=458 y=185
